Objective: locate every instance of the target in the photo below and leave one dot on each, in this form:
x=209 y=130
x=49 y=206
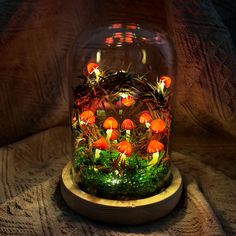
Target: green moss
x=132 y=184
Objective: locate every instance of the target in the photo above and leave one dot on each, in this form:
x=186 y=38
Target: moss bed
x=135 y=180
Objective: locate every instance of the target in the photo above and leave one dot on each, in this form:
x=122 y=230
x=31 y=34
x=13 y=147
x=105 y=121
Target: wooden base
x=128 y=212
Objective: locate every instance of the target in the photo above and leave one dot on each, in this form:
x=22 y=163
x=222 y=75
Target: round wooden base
x=127 y=212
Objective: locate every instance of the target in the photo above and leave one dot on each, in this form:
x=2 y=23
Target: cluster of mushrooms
x=125 y=147
x=110 y=124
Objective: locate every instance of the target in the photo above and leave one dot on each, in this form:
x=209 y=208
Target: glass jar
x=122 y=80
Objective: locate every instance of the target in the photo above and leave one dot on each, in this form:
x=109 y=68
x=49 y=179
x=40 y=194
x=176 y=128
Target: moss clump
x=137 y=180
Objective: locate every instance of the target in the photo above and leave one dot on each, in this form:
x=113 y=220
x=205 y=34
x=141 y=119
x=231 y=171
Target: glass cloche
x=122 y=80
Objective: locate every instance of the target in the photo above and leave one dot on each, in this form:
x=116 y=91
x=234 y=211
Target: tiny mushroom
x=166 y=80
x=125 y=148
x=145 y=118
x=127 y=125
x=109 y=124
x=158 y=125
x=154 y=147
x=91 y=67
x=87 y=117
x=99 y=144
x=128 y=101
x=114 y=134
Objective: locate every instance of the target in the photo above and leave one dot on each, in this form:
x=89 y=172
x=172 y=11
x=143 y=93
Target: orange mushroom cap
x=87 y=117
x=100 y=144
x=145 y=117
x=127 y=124
x=158 y=125
x=91 y=67
x=155 y=146
x=125 y=147
x=110 y=123
x=114 y=134
x=128 y=101
x=166 y=80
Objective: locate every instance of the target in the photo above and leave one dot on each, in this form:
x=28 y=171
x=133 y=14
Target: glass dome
x=122 y=80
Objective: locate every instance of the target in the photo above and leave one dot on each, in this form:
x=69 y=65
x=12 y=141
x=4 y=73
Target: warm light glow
x=91 y=67
x=166 y=80
x=128 y=101
x=121 y=115
x=132 y=27
x=128 y=39
x=117 y=35
x=124 y=95
x=109 y=40
x=116 y=26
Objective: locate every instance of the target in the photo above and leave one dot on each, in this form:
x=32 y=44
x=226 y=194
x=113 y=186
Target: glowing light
x=117 y=35
x=128 y=101
x=109 y=40
x=91 y=67
x=132 y=27
x=124 y=95
x=116 y=26
x=166 y=80
x=121 y=40
x=129 y=34
x=128 y=40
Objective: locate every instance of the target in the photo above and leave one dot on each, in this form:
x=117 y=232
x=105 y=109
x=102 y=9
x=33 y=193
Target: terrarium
x=122 y=88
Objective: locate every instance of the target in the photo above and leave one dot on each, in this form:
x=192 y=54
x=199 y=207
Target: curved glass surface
x=122 y=86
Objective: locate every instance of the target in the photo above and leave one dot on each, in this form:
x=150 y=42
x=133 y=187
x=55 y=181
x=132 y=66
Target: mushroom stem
x=147 y=124
x=155 y=157
x=109 y=133
x=123 y=156
x=162 y=85
x=97 y=153
x=127 y=135
x=97 y=74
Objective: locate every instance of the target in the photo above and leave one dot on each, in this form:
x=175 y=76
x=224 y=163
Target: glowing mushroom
x=114 y=134
x=125 y=148
x=166 y=80
x=127 y=125
x=109 y=124
x=92 y=67
x=100 y=144
x=154 y=147
x=145 y=118
x=128 y=101
x=87 y=117
x=158 y=125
